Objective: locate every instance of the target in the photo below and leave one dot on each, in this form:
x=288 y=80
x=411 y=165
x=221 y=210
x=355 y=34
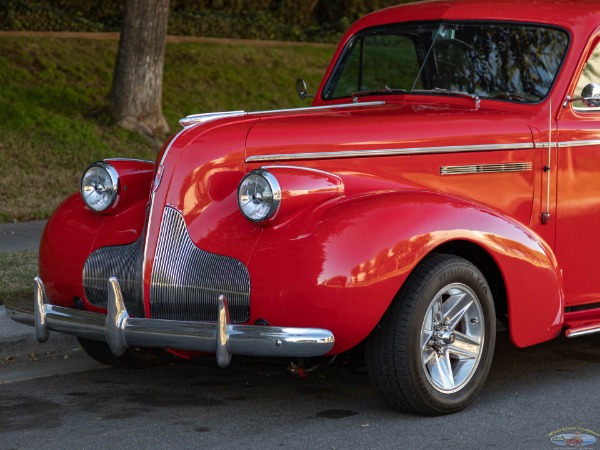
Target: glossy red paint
x=370 y=129
x=74 y=231
x=348 y=259
x=301 y=189
x=370 y=189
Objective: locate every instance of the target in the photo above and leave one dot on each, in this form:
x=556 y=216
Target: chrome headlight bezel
x=256 y=206
x=108 y=190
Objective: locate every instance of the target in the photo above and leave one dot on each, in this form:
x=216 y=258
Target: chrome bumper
x=121 y=331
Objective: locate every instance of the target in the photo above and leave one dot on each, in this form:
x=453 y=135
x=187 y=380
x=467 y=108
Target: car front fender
x=341 y=267
x=74 y=231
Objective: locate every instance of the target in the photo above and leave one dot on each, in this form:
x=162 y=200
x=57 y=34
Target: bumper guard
x=121 y=331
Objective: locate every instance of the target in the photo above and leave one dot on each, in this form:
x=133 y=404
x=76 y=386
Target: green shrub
x=319 y=20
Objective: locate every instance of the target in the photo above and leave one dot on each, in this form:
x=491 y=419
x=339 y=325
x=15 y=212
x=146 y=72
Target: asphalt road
x=531 y=394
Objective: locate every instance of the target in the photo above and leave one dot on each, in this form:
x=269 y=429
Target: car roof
x=569 y=14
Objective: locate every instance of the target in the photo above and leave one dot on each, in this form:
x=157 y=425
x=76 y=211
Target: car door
x=578 y=209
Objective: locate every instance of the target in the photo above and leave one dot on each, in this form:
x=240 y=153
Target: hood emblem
x=157 y=178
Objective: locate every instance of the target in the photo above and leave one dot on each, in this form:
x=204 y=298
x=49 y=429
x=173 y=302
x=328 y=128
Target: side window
x=590 y=74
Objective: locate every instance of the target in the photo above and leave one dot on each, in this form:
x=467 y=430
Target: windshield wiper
x=440 y=91
x=381 y=91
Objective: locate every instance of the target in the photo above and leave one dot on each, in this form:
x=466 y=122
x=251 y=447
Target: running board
x=582 y=323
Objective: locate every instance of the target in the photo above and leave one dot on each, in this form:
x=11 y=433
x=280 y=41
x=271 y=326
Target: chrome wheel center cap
x=442 y=338
x=447 y=337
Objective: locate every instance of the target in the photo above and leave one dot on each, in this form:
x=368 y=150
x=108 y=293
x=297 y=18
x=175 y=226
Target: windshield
x=516 y=62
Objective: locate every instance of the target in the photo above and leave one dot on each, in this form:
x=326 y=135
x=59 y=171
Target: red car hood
x=318 y=131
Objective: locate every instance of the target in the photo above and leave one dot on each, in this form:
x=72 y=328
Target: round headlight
x=259 y=195
x=99 y=186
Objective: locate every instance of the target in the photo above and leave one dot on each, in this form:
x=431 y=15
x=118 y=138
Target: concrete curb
x=17 y=340
x=17 y=237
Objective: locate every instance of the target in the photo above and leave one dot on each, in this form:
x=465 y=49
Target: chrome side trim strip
x=390 y=152
x=582 y=331
x=563 y=144
x=121 y=331
x=308 y=169
x=129 y=159
x=485 y=168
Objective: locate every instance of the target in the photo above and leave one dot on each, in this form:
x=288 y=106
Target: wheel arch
x=520 y=267
x=488 y=267
x=357 y=253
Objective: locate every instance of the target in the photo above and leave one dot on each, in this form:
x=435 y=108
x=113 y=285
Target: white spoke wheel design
x=432 y=350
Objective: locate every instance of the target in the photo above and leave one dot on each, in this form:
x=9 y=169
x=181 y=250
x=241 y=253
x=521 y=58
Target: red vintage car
x=446 y=176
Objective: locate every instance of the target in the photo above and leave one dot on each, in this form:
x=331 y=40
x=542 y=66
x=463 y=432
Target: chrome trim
x=121 y=331
x=582 y=331
x=391 y=152
x=582 y=143
x=318 y=108
x=164 y=156
x=194 y=119
x=114 y=179
x=41 y=331
x=122 y=261
x=545 y=217
x=223 y=355
x=130 y=159
x=275 y=189
x=185 y=278
x=151 y=209
x=159 y=172
x=485 y=168
x=309 y=169
x=116 y=319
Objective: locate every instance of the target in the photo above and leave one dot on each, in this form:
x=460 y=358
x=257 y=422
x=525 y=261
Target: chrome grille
x=123 y=262
x=187 y=281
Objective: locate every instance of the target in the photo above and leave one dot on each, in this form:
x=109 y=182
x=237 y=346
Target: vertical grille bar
x=123 y=262
x=187 y=281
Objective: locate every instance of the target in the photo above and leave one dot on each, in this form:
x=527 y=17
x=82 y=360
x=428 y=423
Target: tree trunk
x=136 y=101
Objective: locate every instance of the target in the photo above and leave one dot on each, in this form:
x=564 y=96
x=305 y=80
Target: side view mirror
x=301 y=89
x=590 y=95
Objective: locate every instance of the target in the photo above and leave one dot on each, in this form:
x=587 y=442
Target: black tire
x=133 y=358
x=414 y=353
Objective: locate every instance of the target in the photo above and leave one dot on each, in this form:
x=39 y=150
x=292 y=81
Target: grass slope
x=17 y=271
x=54 y=101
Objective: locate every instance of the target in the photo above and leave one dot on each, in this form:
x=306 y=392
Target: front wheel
x=432 y=351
